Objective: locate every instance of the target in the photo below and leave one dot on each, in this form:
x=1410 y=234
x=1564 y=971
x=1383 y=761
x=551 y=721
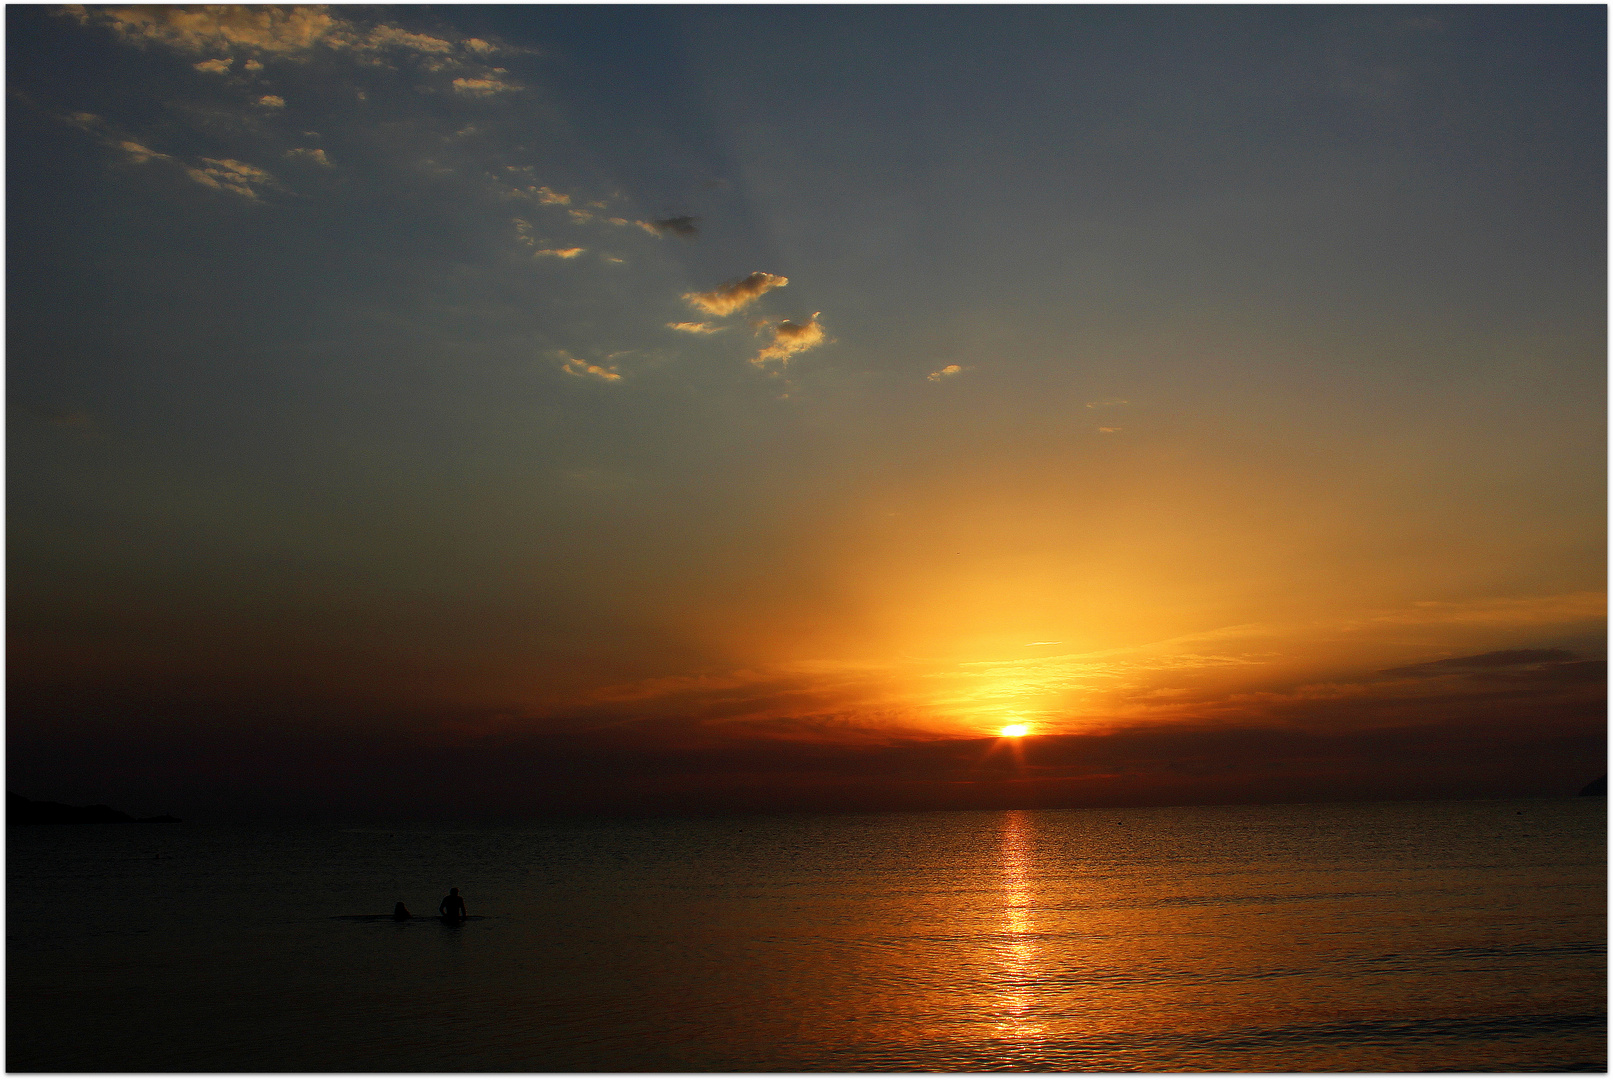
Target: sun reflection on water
x=1019 y=955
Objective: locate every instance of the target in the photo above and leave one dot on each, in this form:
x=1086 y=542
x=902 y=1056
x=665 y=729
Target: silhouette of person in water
x=400 y=912
x=452 y=906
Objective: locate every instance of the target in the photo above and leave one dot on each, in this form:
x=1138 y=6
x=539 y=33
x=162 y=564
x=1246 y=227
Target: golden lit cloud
x=272 y=101
x=216 y=67
x=552 y=198
x=561 y=253
x=230 y=175
x=583 y=369
x=316 y=155
x=686 y=227
x=696 y=327
x=483 y=87
x=790 y=338
x=945 y=373
x=733 y=296
x=139 y=154
x=289 y=32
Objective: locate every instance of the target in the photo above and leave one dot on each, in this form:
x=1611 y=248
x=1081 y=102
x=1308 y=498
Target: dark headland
x=21 y=811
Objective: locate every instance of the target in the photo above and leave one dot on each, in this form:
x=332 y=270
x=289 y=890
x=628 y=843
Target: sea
x=1463 y=936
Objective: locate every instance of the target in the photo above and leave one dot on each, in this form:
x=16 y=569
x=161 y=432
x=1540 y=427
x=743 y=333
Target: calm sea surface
x=1463 y=936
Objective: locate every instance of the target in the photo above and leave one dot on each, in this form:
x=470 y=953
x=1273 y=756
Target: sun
x=1014 y=731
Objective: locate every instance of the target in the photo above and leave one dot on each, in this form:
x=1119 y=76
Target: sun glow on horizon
x=1014 y=731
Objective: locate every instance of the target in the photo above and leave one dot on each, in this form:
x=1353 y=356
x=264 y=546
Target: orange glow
x=1014 y=731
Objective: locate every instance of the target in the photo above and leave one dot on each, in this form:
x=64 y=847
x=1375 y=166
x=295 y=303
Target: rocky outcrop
x=1595 y=787
x=21 y=811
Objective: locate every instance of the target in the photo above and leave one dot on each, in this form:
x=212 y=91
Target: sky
x=490 y=412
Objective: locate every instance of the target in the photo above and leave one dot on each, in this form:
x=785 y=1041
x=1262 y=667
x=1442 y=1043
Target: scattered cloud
x=561 y=253
x=584 y=370
x=790 y=338
x=272 y=101
x=215 y=67
x=483 y=87
x=315 y=155
x=1507 y=658
x=1107 y=403
x=581 y=217
x=230 y=175
x=292 y=32
x=732 y=296
x=552 y=198
x=1109 y=430
x=696 y=327
x=686 y=227
x=945 y=373
x=391 y=37
x=139 y=154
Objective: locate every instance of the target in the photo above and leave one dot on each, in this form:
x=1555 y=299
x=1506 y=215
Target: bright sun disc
x=1014 y=731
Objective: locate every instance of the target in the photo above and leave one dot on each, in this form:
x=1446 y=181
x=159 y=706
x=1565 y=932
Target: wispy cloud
x=561 y=253
x=483 y=87
x=947 y=372
x=790 y=338
x=1107 y=403
x=733 y=296
x=686 y=227
x=287 y=32
x=696 y=327
x=316 y=155
x=139 y=154
x=230 y=175
x=584 y=370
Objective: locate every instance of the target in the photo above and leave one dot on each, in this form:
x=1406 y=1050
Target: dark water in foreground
x=1461 y=936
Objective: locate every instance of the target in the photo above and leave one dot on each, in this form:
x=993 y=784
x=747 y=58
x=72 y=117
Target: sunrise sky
x=494 y=411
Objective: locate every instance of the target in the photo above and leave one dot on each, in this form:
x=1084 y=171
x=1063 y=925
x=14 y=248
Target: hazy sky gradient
x=1180 y=381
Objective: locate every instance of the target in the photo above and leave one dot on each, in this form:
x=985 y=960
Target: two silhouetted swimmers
x=452 y=908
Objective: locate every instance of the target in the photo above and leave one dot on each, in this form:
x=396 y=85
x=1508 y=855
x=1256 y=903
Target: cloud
x=216 y=67
x=1506 y=658
x=230 y=175
x=731 y=296
x=552 y=198
x=1107 y=403
x=139 y=154
x=696 y=327
x=790 y=338
x=584 y=370
x=1109 y=430
x=315 y=155
x=272 y=101
x=483 y=87
x=686 y=227
x=945 y=373
x=285 y=32
x=391 y=37
x=561 y=253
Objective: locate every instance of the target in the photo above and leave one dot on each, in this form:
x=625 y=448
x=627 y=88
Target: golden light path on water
x=1018 y=955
